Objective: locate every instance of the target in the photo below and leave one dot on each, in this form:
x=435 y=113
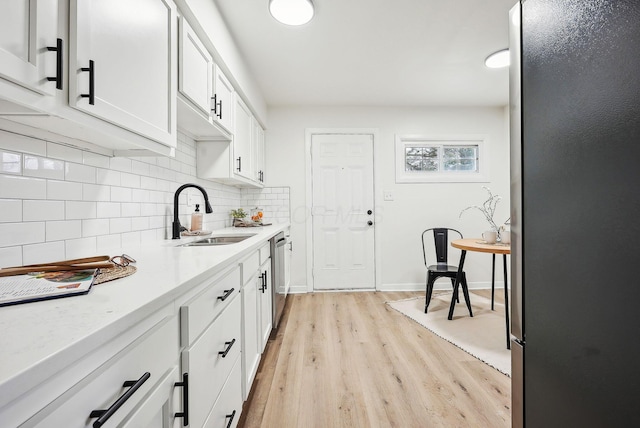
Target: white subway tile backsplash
x=66 y=229
x=64 y=190
x=58 y=151
x=148 y=183
x=119 y=225
x=79 y=210
x=58 y=201
x=120 y=164
x=21 y=233
x=108 y=209
x=81 y=173
x=36 y=166
x=43 y=253
x=108 y=243
x=130 y=180
x=130 y=209
x=13 y=186
x=95 y=159
x=139 y=223
x=96 y=192
x=10 y=210
x=108 y=177
x=82 y=247
x=120 y=194
x=10 y=256
x=40 y=210
x=95 y=227
x=140 y=168
x=10 y=162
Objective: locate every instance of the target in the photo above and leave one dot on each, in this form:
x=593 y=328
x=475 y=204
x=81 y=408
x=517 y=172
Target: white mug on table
x=505 y=237
x=490 y=236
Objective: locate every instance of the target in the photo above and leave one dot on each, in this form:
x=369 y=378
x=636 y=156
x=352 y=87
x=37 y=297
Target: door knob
x=369 y=212
x=370 y=223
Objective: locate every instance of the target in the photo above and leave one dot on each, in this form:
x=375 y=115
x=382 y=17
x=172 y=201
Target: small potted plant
x=238 y=216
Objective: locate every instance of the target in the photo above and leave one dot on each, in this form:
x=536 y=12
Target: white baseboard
x=479 y=285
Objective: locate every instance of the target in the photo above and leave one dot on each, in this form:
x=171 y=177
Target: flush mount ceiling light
x=498 y=59
x=291 y=12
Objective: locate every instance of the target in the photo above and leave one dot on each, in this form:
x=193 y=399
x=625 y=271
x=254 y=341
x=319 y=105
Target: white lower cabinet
x=169 y=369
x=209 y=361
x=135 y=385
x=265 y=298
x=228 y=407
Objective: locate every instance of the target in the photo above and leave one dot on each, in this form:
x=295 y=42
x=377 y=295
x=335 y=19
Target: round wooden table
x=479 y=246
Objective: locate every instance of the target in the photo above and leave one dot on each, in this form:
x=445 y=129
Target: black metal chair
x=442 y=269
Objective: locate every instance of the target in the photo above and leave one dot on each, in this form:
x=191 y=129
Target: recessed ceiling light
x=291 y=12
x=498 y=59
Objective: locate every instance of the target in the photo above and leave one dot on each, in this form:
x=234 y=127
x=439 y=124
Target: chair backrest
x=441 y=237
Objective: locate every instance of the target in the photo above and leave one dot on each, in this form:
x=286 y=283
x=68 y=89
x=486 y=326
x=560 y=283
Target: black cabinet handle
x=261 y=176
x=226 y=351
x=215 y=104
x=104 y=415
x=92 y=92
x=185 y=399
x=239 y=163
x=227 y=293
x=58 y=50
x=219 y=113
x=231 y=416
x=264 y=277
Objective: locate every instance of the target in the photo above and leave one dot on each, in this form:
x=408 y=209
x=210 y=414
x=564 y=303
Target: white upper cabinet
x=195 y=74
x=242 y=139
x=258 y=144
x=222 y=103
x=123 y=64
x=30 y=53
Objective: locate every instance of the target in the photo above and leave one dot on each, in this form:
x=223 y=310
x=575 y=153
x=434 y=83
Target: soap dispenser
x=196 y=219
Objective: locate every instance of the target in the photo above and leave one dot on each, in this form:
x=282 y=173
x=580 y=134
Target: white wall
x=416 y=206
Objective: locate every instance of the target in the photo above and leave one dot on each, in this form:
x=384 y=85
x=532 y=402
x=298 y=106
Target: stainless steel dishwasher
x=279 y=288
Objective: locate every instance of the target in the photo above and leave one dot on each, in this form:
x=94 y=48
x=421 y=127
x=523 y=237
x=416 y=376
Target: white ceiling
x=376 y=52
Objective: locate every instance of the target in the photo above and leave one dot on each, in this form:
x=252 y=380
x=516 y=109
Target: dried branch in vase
x=488 y=209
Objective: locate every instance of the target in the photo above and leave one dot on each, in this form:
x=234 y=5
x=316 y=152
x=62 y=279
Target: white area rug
x=482 y=336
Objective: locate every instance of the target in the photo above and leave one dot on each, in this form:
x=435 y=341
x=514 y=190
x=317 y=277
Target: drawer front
x=226 y=411
x=156 y=352
x=250 y=266
x=197 y=314
x=160 y=408
x=265 y=253
x=206 y=364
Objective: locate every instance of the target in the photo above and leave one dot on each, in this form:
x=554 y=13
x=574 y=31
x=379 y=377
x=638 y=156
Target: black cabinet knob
x=370 y=223
x=369 y=212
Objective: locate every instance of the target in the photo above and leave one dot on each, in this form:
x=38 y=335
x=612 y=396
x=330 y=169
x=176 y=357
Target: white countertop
x=43 y=337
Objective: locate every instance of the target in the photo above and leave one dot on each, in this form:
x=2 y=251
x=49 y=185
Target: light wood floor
x=349 y=360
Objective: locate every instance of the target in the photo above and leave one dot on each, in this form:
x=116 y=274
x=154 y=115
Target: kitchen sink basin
x=217 y=240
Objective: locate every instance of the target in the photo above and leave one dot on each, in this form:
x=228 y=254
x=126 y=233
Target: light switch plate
x=388 y=196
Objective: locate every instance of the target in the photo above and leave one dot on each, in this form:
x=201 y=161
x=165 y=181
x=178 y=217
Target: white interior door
x=342 y=211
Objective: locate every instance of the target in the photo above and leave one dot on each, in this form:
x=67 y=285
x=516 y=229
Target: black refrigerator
x=575 y=215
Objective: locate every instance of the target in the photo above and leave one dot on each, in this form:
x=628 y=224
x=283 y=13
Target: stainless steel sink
x=217 y=240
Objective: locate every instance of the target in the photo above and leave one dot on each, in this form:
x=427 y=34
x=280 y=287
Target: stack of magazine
x=45 y=285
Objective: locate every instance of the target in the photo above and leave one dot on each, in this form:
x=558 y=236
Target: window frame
x=406 y=141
